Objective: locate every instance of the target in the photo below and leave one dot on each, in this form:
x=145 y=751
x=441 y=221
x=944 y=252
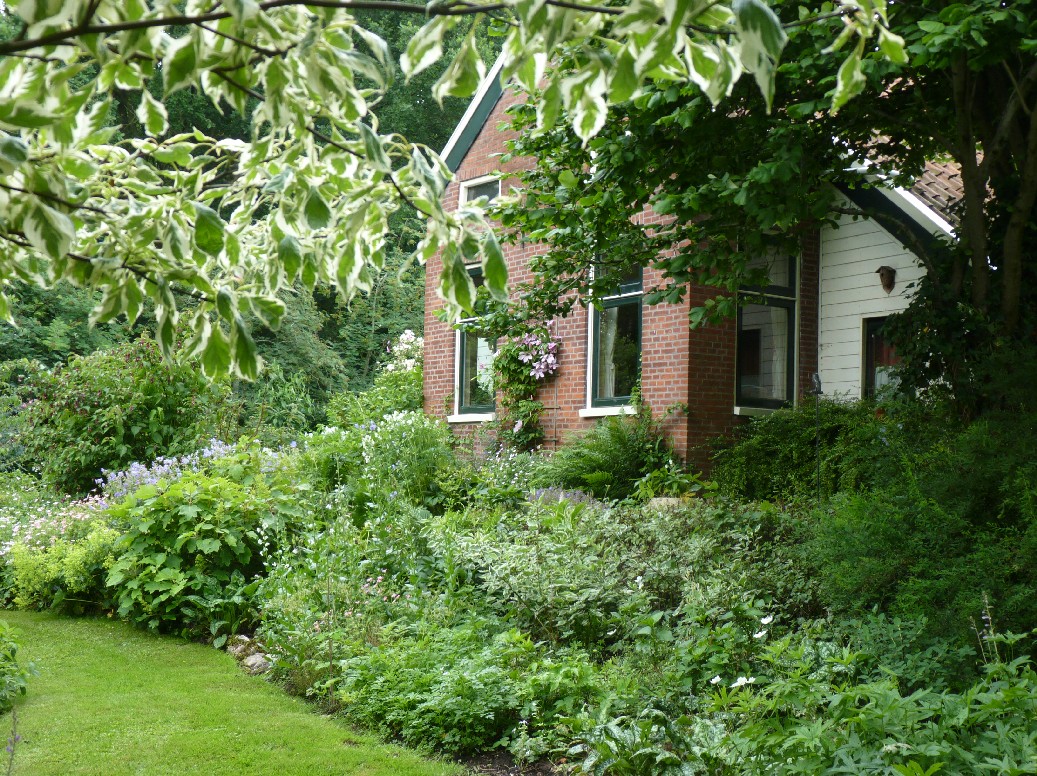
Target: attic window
x=487 y=186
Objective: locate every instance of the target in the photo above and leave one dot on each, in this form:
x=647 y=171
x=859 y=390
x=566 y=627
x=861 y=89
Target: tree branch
x=330 y=141
x=21 y=242
x=86 y=28
x=1004 y=125
x=453 y=8
x=53 y=198
x=241 y=42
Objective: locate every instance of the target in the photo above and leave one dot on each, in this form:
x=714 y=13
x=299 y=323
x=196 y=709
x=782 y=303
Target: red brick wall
x=679 y=367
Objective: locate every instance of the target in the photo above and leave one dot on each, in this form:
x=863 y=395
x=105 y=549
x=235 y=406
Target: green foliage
x=192 y=546
x=277 y=407
x=14 y=394
x=53 y=325
x=610 y=459
x=922 y=515
x=804 y=712
x=777 y=456
x=737 y=182
x=549 y=567
x=304 y=369
x=409 y=448
x=670 y=481
x=397 y=387
x=462 y=688
x=110 y=408
x=957 y=525
x=14 y=675
x=329 y=458
x=52 y=550
x=68 y=575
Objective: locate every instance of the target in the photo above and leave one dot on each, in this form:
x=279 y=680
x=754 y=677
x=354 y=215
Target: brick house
x=823 y=315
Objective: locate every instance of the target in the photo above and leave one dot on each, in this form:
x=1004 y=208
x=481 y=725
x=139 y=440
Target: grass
x=112 y=700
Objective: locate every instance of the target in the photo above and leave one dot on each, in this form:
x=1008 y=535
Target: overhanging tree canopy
x=308 y=197
x=737 y=179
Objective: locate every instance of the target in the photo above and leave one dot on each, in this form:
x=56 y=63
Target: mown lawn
x=112 y=700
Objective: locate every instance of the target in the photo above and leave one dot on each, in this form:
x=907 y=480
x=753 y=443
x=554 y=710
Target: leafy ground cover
x=113 y=700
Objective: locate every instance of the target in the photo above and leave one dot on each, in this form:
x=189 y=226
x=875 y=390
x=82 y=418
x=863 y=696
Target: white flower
x=760 y=634
x=741 y=681
x=767 y=620
x=715 y=679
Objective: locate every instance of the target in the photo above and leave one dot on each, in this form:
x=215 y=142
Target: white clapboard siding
x=851 y=292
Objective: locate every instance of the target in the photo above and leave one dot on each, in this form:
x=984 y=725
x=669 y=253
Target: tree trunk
x=973 y=221
x=1016 y=232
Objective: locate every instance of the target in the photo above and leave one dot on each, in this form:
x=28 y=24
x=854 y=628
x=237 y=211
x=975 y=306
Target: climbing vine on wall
x=520 y=367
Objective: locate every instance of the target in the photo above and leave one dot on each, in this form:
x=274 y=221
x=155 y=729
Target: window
x=485 y=186
x=879 y=357
x=616 y=348
x=475 y=394
x=766 y=344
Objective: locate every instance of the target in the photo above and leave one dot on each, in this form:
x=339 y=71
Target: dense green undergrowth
x=465 y=602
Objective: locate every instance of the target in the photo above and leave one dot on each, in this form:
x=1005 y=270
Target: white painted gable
x=851 y=293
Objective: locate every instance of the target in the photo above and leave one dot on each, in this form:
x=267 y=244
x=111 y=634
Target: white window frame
x=471 y=183
x=457 y=416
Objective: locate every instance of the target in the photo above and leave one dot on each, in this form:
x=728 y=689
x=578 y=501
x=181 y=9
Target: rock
x=257 y=663
x=240 y=647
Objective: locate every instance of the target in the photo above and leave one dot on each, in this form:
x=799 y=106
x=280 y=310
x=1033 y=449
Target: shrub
x=191 y=547
x=908 y=555
x=403 y=452
x=111 y=408
x=547 y=567
x=14 y=675
x=460 y=689
x=13 y=395
x=277 y=406
x=38 y=529
x=330 y=458
x=610 y=459
x=777 y=456
x=397 y=387
x=68 y=575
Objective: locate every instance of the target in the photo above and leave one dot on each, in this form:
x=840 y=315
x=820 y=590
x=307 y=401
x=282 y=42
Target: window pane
x=763 y=353
x=879 y=358
x=620 y=281
x=779 y=268
x=619 y=350
x=488 y=189
x=476 y=371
